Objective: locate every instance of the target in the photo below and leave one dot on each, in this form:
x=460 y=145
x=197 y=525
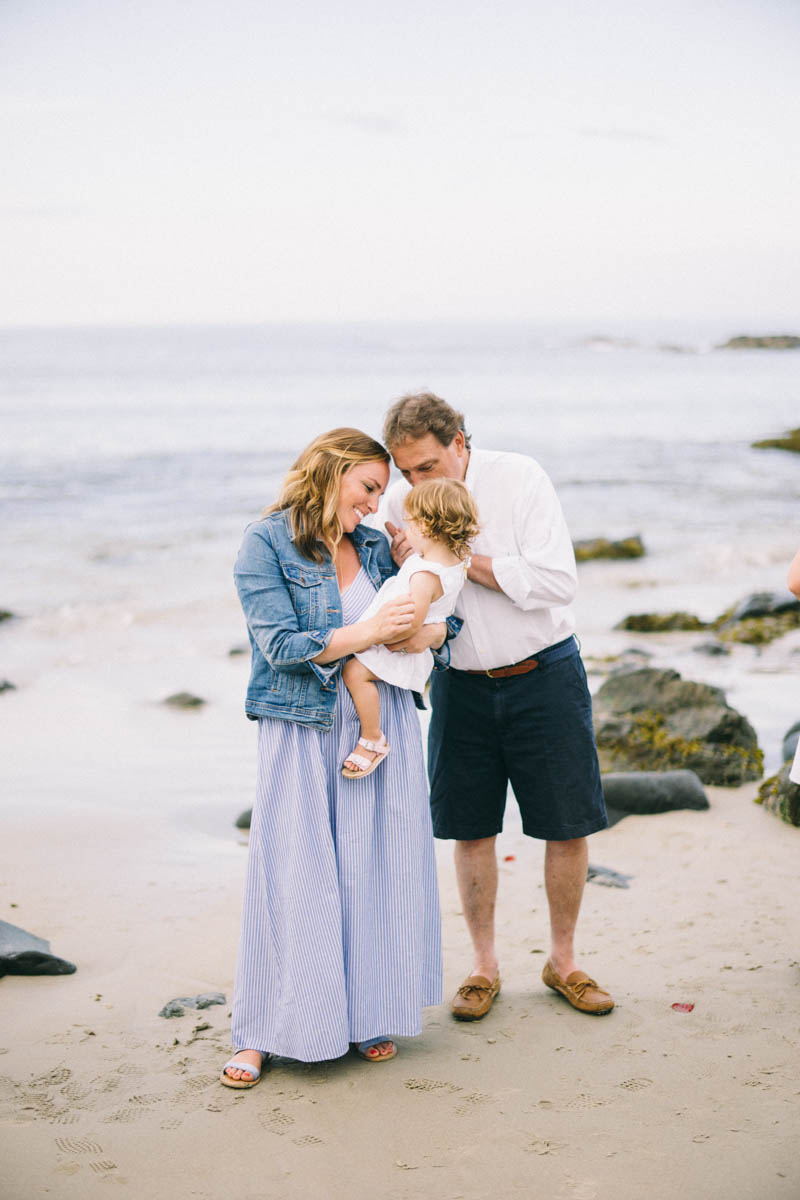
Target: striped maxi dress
x=341 y=933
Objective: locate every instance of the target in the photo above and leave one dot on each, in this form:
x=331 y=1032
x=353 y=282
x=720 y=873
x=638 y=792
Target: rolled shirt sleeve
x=543 y=573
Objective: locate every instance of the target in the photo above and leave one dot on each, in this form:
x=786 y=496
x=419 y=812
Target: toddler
x=441 y=521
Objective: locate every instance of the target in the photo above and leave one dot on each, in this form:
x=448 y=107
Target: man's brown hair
x=414 y=416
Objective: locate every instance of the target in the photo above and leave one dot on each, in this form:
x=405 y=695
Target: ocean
x=132 y=458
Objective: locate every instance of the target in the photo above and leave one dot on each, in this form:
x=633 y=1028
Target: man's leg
x=564 y=878
x=476 y=872
x=565 y=866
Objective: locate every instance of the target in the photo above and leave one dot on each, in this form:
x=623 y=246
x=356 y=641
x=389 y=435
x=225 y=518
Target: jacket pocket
x=306 y=591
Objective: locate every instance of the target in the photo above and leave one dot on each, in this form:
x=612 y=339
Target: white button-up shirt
x=522 y=530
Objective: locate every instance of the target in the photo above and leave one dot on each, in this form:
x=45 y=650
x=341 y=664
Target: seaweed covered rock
x=661 y=622
x=779 y=795
x=629 y=547
x=653 y=720
x=789 y=441
x=769 y=341
x=759 y=618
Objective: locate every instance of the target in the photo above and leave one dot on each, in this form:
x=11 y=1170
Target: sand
x=119 y=847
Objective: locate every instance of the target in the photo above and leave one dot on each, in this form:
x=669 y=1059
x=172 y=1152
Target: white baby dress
x=412 y=670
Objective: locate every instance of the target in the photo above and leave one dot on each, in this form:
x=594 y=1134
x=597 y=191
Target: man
x=514 y=707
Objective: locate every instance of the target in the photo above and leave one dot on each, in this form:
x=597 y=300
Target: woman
x=341 y=938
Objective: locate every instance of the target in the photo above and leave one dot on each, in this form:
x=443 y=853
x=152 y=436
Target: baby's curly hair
x=446 y=512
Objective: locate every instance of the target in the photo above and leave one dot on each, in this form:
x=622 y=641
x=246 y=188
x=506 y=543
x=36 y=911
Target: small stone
x=235 y=651
x=7 y=686
x=243 y=820
x=184 y=700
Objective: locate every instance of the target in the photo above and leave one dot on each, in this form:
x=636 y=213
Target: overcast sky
x=314 y=159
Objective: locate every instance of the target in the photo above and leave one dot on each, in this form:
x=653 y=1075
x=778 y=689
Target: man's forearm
x=480 y=571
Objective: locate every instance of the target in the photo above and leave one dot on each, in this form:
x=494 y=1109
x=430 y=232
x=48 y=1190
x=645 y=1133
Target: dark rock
x=773 y=341
x=764 y=604
x=243 y=820
x=184 y=700
x=607 y=877
x=22 y=953
x=661 y=622
x=779 y=795
x=177 y=1007
x=7 y=686
x=790 y=441
x=643 y=792
x=713 y=649
x=5 y=615
x=629 y=547
x=172 y=1009
x=237 y=650
x=759 y=618
x=648 y=719
x=790 y=740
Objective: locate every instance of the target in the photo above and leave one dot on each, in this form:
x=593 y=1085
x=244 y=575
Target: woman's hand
x=393 y=620
x=429 y=637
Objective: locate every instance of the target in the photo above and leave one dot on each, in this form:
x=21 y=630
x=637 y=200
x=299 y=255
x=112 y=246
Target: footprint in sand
x=103 y=1166
x=430 y=1085
x=308 y=1140
x=636 y=1085
x=585 y=1100
x=78 y=1146
x=469 y=1103
x=277 y=1122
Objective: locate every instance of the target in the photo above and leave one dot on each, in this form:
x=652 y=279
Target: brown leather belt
x=520 y=668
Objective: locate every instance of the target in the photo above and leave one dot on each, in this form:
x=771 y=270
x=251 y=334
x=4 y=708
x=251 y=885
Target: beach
x=119 y=835
x=99 y=1093
x=125 y=856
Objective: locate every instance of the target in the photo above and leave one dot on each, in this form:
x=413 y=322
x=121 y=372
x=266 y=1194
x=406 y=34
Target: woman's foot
x=238 y=1071
x=357 y=764
x=377 y=1050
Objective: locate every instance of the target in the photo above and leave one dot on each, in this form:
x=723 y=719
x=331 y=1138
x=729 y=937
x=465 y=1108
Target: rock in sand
x=649 y=719
x=22 y=953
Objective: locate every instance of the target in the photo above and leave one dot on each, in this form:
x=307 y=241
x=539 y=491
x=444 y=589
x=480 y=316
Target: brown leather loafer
x=581 y=991
x=474 y=998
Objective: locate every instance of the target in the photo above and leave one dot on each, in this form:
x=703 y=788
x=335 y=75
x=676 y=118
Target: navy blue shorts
x=533 y=731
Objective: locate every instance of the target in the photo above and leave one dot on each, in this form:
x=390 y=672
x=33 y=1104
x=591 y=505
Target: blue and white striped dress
x=341 y=933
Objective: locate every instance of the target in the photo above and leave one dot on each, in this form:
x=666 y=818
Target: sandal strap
x=359 y=760
x=243 y=1066
x=375 y=747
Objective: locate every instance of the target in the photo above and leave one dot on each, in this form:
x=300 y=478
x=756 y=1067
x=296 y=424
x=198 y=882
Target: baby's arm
x=424 y=587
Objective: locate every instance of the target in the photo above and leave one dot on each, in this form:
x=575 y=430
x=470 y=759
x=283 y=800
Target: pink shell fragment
x=683 y=1007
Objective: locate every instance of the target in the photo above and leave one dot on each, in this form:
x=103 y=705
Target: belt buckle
x=489 y=673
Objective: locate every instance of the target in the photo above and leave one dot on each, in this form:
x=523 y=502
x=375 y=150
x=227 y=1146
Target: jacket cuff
x=326 y=673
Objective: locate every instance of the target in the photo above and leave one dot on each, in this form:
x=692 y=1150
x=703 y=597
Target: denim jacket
x=292 y=606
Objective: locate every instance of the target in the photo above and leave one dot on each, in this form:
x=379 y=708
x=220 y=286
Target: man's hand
x=429 y=637
x=400 y=548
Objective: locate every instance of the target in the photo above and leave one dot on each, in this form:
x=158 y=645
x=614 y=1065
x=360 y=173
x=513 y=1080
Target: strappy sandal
x=363 y=1047
x=366 y=765
x=247 y=1067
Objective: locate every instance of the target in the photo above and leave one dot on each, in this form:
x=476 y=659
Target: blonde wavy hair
x=446 y=512
x=310 y=491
